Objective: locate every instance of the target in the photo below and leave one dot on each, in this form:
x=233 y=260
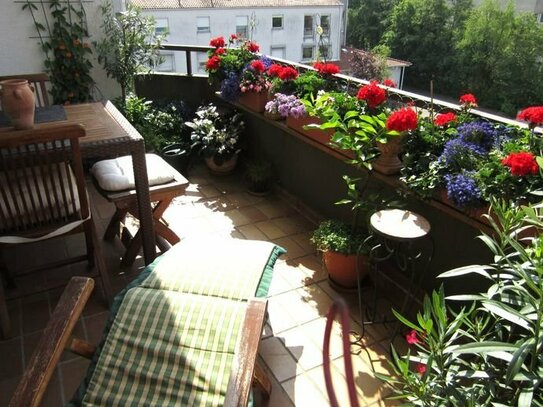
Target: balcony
x=308 y=184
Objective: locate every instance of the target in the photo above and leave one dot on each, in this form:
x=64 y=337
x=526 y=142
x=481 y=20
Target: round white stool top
x=400 y=224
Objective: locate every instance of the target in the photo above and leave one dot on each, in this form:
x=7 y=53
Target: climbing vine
x=62 y=33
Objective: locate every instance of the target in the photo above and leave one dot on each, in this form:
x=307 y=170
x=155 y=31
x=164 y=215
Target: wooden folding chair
x=38 y=82
x=185 y=332
x=43 y=196
x=115 y=181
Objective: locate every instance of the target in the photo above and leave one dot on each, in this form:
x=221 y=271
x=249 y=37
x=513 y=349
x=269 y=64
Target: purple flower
x=286 y=105
x=458 y=154
x=266 y=61
x=230 y=87
x=480 y=133
x=463 y=189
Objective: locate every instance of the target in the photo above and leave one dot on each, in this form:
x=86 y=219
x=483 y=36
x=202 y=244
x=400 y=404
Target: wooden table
x=109 y=134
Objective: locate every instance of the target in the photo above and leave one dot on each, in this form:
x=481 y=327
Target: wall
x=182 y=29
x=20 y=51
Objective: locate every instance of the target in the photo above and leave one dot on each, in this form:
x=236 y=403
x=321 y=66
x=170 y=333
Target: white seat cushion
x=118 y=175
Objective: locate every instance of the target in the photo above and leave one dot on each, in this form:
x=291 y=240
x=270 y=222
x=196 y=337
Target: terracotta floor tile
x=291 y=273
x=53 y=396
x=303 y=391
x=270 y=230
x=312 y=267
x=72 y=374
x=303 y=241
x=278 y=359
x=279 y=285
x=35 y=311
x=237 y=217
x=292 y=224
x=7 y=388
x=15 y=317
x=274 y=208
x=253 y=214
x=305 y=351
x=280 y=318
x=278 y=396
x=252 y=232
x=94 y=326
x=11 y=357
x=293 y=249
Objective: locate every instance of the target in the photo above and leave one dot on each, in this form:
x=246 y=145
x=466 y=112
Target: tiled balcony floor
x=300 y=296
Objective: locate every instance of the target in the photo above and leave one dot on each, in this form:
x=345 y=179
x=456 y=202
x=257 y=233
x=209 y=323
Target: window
x=201 y=57
x=277 y=22
x=325 y=25
x=202 y=24
x=325 y=51
x=307 y=52
x=308 y=26
x=242 y=23
x=167 y=64
x=540 y=17
x=161 y=26
x=278 y=51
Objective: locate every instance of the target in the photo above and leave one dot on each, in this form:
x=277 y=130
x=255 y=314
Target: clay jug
x=17 y=98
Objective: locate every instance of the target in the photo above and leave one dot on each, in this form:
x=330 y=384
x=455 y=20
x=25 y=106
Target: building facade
x=283 y=29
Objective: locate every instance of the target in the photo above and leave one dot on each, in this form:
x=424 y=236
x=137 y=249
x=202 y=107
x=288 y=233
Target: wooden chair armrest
x=34 y=382
x=243 y=365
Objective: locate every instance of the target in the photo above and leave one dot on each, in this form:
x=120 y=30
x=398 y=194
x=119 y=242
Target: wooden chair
x=115 y=181
x=43 y=196
x=38 y=82
x=185 y=332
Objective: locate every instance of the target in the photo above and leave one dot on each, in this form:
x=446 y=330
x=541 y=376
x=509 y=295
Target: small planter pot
x=342 y=269
x=178 y=156
x=322 y=136
x=389 y=162
x=219 y=166
x=254 y=101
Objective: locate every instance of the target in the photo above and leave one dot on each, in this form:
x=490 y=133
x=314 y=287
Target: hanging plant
x=62 y=38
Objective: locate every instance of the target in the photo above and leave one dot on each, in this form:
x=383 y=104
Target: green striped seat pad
x=171 y=335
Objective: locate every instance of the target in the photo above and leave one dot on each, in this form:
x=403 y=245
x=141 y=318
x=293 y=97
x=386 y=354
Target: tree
x=130 y=45
x=423 y=32
x=500 y=57
x=367 y=21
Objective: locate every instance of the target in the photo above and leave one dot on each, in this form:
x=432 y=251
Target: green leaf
x=507 y=313
x=460 y=271
x=518 y=359
x=483 y=347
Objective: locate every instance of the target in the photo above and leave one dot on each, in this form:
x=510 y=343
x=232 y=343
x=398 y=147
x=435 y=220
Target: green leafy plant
x=63 y=39
x=333 y=235
x=488 y=352
x=130 y=45
x=259 y=175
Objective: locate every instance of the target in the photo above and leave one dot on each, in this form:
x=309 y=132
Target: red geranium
x=233 y=37
x=533 y=115
x=253 y=46
x=258 y=66
x=402 y=120
x=372 y=94
x=220 y=51
x=444 y=118
x=326 y=69
x=390 y=83
x=412 y=338
x=522 y=163
x=213 y=63
x=468 y=99
x=288 y=73
x=217 y=42
x=275 y=70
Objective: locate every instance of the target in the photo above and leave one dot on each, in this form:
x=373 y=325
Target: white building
x=283 y=28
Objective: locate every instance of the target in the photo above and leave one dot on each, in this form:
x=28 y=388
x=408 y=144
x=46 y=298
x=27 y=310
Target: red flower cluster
x=326 y=69
x=233 y=37
x=220 y=51
x=274 y=70
x=421 y=368
x=253 y=46
x=444 y=118
x=533 y=115
x=390 y=83
x=213 y=63
x=372 y=94
x=521 y=164
x=412 y=338
x=258 y=66
x=288 y=73
x=469 y=100
x=217 y=42
x=402 y=120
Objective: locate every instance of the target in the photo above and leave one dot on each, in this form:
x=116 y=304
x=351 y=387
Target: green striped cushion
x=171 y=333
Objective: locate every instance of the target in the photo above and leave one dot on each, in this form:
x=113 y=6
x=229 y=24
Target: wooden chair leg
x=113 y=226
x=100 y=263
x=168 y=234
x=5 y=326
x=261 y=380
x=87 y=228
x=132 y=251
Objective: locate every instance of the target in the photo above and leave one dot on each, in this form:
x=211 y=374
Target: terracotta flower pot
x=298 y=123
x=254 y=101
x=342 y=268
x=219 y=167
x=18 y=102
x=389 y=162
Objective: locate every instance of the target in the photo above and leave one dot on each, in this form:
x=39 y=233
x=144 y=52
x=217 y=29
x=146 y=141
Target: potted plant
x=259 y=176
x=217 y=137
x=254 y=86
x=341 y=245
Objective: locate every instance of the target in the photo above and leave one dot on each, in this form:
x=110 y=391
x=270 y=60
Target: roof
x=345 y=61
x=219 y=4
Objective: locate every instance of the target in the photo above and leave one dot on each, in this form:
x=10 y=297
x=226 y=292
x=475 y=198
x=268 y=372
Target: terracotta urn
x=221 y=167
x=18 y=103
x=389 y=162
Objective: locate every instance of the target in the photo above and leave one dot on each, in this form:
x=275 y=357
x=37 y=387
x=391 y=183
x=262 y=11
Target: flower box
x=254 y=101
x=322 y=136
